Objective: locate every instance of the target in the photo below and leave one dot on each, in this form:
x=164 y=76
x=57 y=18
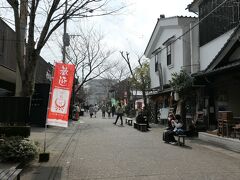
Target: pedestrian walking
x=119 y=111
x=113 y=110
x=103 y=108
x=95 y=110
x=91 y=110
x=109 y=109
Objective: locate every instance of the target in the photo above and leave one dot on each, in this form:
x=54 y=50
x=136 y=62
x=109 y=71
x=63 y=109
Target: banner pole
x=44 y=157
x=45 y=129
x=49 y=94
x=45 y=139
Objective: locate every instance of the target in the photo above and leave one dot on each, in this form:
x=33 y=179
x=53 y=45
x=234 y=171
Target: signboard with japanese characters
x=60 y=97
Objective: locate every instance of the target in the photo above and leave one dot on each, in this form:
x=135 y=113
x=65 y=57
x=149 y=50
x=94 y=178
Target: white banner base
x=57 y=122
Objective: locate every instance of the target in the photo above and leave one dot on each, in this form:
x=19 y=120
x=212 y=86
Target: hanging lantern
x=176 y=96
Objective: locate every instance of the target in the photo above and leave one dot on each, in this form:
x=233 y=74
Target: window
x=169 y=60
x=169 y=48
x=2 y=41
x=156 y=62
x=218 y=22
x=157 y=58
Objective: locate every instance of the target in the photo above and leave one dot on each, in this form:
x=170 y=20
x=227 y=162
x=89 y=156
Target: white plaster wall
x=177 y=56
x=153 y=74
x=194 y=41
x=211 y=49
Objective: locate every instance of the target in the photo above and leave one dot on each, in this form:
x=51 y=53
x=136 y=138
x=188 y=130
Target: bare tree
x=89 y=56
x=140 y=75
x=118 y=72
x=116 y=75
x=49 y=15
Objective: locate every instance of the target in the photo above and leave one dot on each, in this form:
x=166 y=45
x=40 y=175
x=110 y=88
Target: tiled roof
x=171 y=17
x=211 y=68
x=190 y=6
x=233 y=66
x=194 y=1
x=186 y=17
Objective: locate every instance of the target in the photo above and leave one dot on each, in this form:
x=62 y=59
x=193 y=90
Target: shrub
x=182 y=83
x=18 y=149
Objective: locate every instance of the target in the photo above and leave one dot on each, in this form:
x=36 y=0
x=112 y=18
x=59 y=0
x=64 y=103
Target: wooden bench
x=236 y=130
x=181 y=137
x=140 y=127
x=11 y=173
x=128 y=121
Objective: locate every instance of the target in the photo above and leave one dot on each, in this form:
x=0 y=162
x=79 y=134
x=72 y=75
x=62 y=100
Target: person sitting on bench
x=169 y=128
x=140 y=119
x=169 y=134
x=170 y=118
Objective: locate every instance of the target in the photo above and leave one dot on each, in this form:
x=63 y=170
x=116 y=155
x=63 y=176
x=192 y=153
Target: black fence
x=39 y=105
x=14 y=110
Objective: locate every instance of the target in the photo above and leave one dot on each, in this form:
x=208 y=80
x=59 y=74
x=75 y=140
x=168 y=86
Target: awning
x=229 y=67
x=165 y=91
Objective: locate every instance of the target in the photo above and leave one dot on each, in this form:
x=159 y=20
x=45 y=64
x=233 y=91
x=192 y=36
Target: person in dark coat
x=91 y=110
x=141 y=119
x=169 y=129
x=113 y=110
x=119 y=112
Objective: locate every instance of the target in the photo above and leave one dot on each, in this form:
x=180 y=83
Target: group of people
x=107 y=109
x=175 y=125
x=93 y=109
x=174 y=128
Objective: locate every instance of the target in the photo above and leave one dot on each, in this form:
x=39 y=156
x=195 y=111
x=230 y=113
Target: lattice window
x=225 y=18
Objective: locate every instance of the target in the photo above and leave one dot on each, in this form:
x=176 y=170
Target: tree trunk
x=28 y=82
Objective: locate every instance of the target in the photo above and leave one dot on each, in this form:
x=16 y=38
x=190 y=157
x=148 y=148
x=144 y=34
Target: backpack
x=119 y=110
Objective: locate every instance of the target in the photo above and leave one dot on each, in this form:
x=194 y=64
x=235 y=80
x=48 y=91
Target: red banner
x=60 y=97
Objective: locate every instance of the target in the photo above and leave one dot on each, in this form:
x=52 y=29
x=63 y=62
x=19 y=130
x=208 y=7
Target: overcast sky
x=129 y=31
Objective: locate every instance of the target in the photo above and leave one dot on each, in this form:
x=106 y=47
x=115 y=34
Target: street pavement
x=95 y=148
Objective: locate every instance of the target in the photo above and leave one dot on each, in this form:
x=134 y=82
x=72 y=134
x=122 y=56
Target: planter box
x=23 y=131
x=44 y=157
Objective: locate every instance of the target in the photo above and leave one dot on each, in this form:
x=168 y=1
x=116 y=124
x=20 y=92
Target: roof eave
x=193 y=7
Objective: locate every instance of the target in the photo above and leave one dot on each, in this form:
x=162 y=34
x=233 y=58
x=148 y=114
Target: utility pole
x=65 y=35
x=82 y=71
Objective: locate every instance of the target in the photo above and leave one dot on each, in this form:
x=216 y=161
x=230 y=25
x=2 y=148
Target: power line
x=179 y=37
x=48 y=45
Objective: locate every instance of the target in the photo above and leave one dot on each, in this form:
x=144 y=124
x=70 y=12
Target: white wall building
x=169 y=48
x=219 y=57
x=213 y=44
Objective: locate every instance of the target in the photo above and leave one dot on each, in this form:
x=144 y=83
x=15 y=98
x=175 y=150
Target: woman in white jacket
x=177 y=125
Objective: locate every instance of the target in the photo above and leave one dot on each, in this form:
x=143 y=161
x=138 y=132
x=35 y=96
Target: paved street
x=97 y=149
